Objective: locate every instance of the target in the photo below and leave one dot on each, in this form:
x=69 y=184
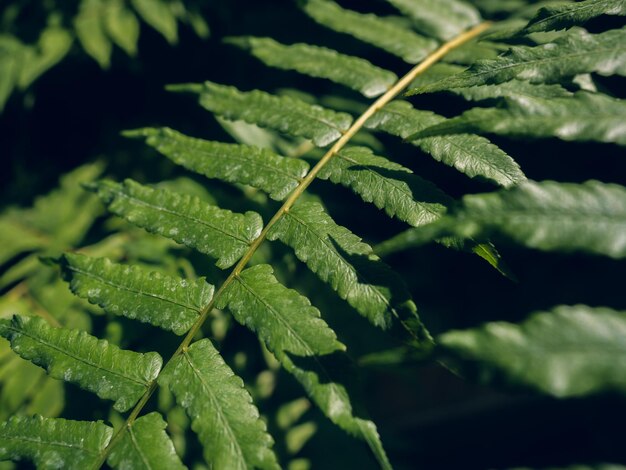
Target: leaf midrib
x=52 y=443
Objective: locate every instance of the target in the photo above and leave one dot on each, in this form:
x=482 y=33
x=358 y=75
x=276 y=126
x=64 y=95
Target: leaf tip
x=242 y=42
x=185 y=87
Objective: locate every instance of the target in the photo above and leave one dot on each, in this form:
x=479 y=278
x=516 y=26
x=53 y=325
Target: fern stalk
x=358 y=124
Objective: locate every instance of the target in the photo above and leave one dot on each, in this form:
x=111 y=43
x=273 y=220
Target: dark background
x=428 y=418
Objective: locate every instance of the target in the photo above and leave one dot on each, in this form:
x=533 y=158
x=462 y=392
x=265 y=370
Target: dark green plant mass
x=226 y=312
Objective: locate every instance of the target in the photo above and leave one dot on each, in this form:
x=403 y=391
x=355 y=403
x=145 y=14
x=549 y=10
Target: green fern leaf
x=470 y=154
x=145 y=445
x=254 y=166
x=220 y=408
x=159 y=15
x=353 y=72
x=151 y=297
x=582 y=117
x=388 y=185
x=549 y=216
x=553 y=17
x=380 y=32
x=53 y=443
x=569 y=351
x=574 y=53
x=217 y=232
x=340 y=258
x=282 y=318
x=283 y=113
x=75 y=356
x=122 y=26
x=443 y=19
x=90 y=30
x=333 y=400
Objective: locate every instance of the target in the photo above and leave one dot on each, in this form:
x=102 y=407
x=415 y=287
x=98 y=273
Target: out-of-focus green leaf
x=549 y=216
x=159 y=15
x=567 y=352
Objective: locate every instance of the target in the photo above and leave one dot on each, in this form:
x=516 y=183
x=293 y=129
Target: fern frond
x=74 y=356
x=53 y=443
x=574 y=53
x=283 y=113
x=443 y=19
x=388 y=185
x=221 y=410
x=353 y=72
x=145 y=444
x=582 y=117
x=553 y=17
x=380 y=32
x=566 y=352
x=548 y=215
x=340 y=258
x=282 y=318
x=151 y=297
x=470 y=154
x=245 y=164
x=219 y=233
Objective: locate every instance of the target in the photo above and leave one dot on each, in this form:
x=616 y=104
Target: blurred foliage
x=35 y=36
